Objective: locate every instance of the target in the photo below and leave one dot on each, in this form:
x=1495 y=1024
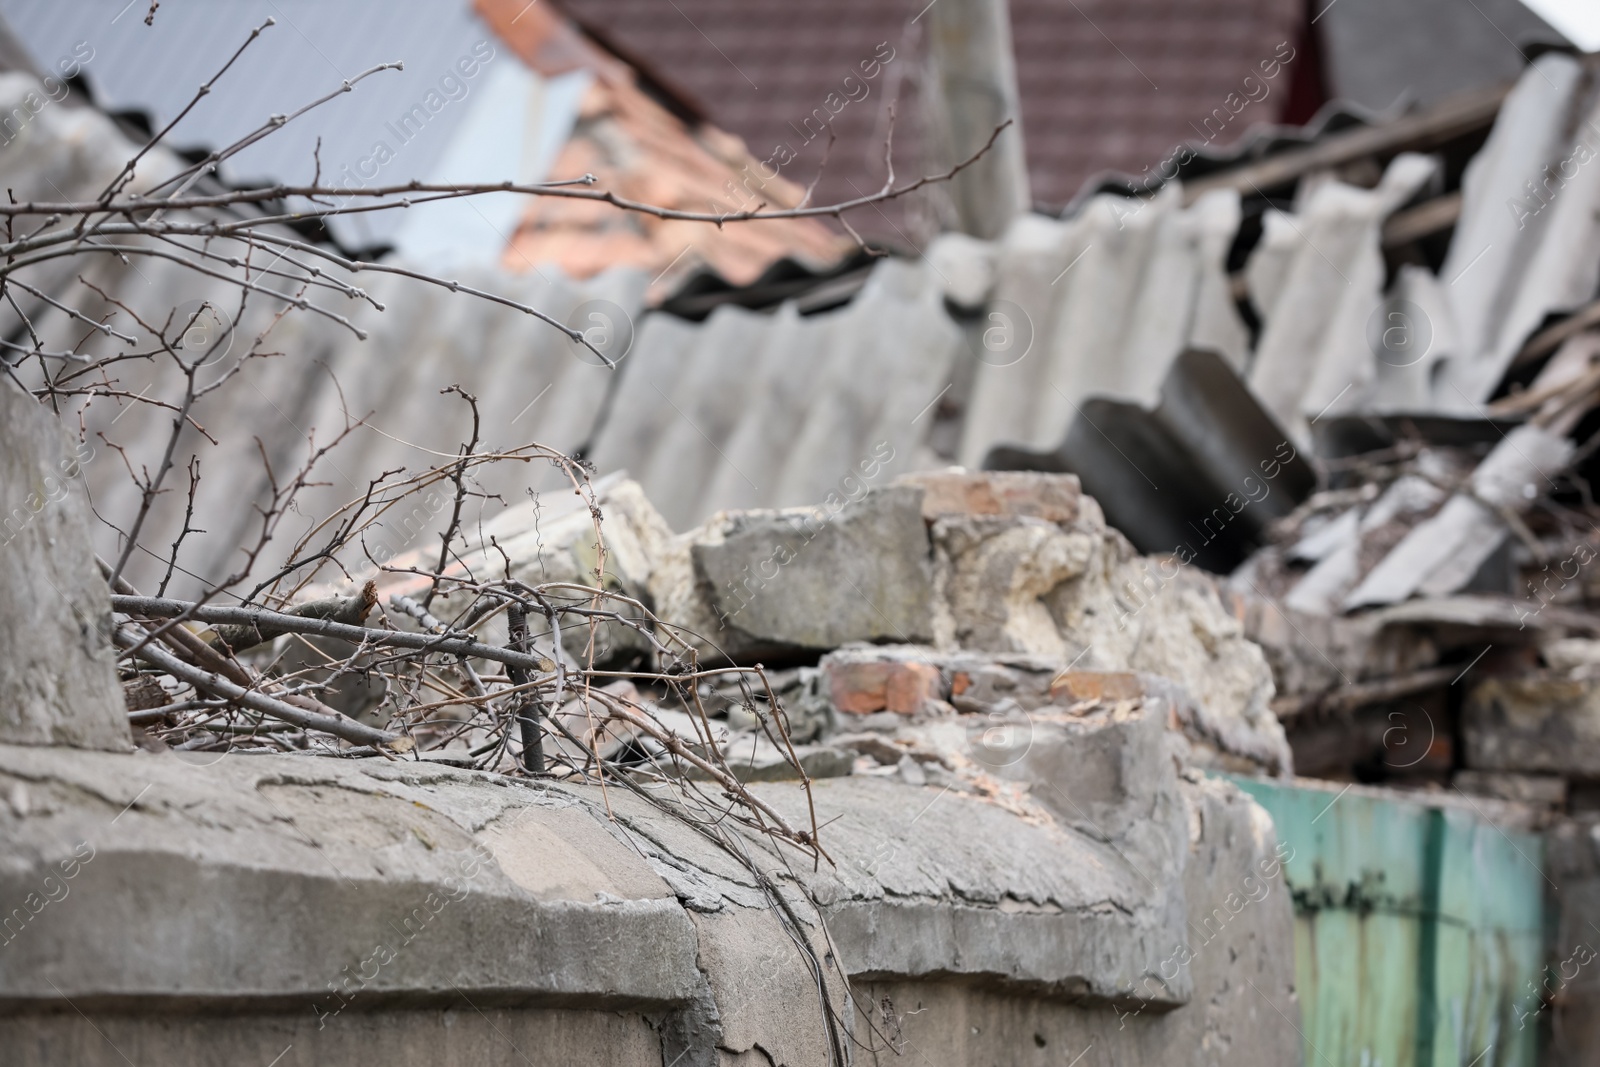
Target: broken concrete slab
x=58 y=672
x=1539 y=790
x=525 y=899
x=945 y=700
x=1542 y=722
x=814 y=578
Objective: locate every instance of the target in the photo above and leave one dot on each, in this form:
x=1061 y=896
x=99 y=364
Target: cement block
x=806 y=579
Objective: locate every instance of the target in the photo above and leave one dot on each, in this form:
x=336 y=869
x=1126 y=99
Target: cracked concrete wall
x=180 y=908
x=289 y=910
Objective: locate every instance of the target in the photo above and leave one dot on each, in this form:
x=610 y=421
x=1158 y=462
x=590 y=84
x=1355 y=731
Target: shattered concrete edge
x=320 y=891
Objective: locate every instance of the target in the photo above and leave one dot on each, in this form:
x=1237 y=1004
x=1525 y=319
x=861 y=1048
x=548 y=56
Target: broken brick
x=1096 y=685
x=1052 y=497
x=862 y=687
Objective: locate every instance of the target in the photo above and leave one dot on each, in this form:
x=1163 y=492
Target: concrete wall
x=290 y=910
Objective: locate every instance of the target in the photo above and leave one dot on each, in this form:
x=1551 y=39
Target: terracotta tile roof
x=641 y=150
x=1104 y=83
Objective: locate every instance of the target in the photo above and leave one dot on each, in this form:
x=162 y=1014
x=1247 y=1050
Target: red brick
x=863 y=687
x=1096 y=685
x=1052 y=497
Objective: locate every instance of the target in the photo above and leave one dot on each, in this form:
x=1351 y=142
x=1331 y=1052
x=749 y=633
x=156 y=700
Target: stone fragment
x=1079 y=594
x=752 y=757
x=554 y=538
x=1540 y=722
x=58 y=676
x=993 y=574
x=805 y=578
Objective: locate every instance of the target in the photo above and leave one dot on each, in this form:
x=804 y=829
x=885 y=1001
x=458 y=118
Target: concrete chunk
x=809 y=578
x=1542 y=722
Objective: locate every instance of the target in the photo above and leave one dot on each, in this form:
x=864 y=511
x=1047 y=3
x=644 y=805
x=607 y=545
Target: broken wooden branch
x=350 y=610
x=327 y=721
x=261 y=618
x=1360 y=694
x=1456 y=117
x=1551 y=338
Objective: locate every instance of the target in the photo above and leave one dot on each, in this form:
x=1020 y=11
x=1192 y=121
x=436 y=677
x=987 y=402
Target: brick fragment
x=1073 y=686
x=956 y=491
x=862 y=687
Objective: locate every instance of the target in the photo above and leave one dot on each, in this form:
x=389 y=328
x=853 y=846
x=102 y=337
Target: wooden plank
x=1548 y=340
x=1424 y=220
x=1455 y=117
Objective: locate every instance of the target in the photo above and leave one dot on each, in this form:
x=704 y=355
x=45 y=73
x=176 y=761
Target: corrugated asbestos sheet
x=1096 y=305
x=746 y=409
x=755 y=410
x=1418 y=929
x=1441 y=343
x=530 y=381
x=1108 y=343
x=1528 y=242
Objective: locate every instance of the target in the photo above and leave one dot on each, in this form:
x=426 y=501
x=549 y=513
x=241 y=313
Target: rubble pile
x=1437 y=591
x=1390 y=462
x=924 y=629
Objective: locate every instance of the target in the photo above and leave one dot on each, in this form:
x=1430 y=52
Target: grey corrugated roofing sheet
x=530 y=381
x=773 y=410
x=1317 y=280
x=1527 y=244
x=1335 y=341
x=1099 y=304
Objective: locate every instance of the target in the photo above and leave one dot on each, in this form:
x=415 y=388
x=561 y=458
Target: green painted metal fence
x=1418 y=929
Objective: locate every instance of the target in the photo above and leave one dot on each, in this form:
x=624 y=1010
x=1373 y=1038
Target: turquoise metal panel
x=1418 y=929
